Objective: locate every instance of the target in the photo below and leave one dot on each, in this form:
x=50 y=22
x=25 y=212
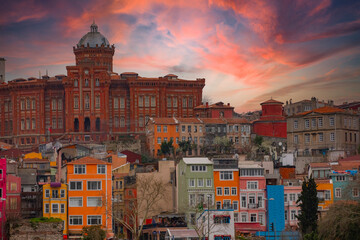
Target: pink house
x=252 y=185
x=2 y=195
x=13 y=191
x=291 y=195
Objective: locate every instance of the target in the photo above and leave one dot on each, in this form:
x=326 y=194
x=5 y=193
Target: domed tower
x=94 y=49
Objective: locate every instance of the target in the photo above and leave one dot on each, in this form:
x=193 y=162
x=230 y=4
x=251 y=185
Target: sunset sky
x=248 y=51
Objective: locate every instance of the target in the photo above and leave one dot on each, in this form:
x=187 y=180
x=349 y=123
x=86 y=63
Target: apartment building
x=192 y=130
x=239 y=132
x=321 y=130
x=291 y=195
x=55 y=202
x=2 y=194
x=90 y=192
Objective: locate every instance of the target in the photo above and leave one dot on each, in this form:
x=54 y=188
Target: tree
x=342 y=221
x=258 y=140
x=93 y=233
x=308 y=203
x=184 y=146
x=150 y=193
x=167 y=147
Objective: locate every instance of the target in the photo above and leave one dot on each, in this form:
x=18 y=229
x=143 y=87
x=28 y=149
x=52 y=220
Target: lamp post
x=208 y=221
x=273 y=223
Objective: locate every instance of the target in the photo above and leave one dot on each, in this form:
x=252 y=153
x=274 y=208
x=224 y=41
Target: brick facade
x=91 y=103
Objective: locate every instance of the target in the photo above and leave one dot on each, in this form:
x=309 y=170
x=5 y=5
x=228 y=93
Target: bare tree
x=144 y=203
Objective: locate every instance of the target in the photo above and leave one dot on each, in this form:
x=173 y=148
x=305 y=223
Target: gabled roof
x=271 y=101
x=197 y=160
x=131 y=156
x=319 y=165
x=88 y=160
x=322 y=110
x=189 y=120
x=237 y=120
x=163 y=121
x=213 y=120
x=352 y=158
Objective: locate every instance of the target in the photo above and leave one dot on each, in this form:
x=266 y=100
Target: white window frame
x=219 y=191
x=62 y=193
x=226 y=191
x=208 y=182
x=236 y=203
x=75 y=189
x=101 y=169
x=78 y=167
x=62 y=208
x=46 y=208
x=338 y=192
x=244 y=217
x=226 y=176
x=97 y=185
x=249 y=183
x=97 y=204
x=77 y=198
x=200 y=182
x=233 y=191
x=71 y=220
x=192 y=182
x=47 y=193
x=52 y=208
x=332 y=137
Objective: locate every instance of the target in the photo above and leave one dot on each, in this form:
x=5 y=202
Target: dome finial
x=93 y=27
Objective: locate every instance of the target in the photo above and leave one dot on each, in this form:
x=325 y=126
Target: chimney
x=207 y=104
x=2 y=70
x=228 y=104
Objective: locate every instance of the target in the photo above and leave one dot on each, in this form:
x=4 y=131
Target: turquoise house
x=345 y=187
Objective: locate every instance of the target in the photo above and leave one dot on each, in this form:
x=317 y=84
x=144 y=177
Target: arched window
x=76 y=83
x=97 y=82
x=87 y=101
x=76 y=125
x=86 y=82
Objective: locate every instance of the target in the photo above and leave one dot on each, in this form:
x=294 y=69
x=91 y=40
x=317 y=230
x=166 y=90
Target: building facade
x=2 y=195
x=91 y=102
x=272 y=122
x=293 y=108
x=55 y=202
x=89 y=194
x=13 y=199
x=321 y=130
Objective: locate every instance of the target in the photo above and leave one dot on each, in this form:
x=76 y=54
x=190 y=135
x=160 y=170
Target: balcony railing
x=253 y=205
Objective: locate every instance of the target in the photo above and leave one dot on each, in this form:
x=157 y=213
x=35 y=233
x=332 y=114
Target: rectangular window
x=62 y=208
x=116 y=103
x=235 y=205
x=307 y=123
x=296 y=124
x=293 y=215
x=285 y=198
x=219 y=191
x=97 y=102
x=307 y=138
x=200 y=182
x=260 y=201
x=331 y=121
x=76 y=102
x=252 y=185
x=153 y=101
x=53 y=125
x=47 y=193
x=55 y=194
x=60 y=104
x=122 y=102
x=168 y=101
x=62 y=193
x=262 y=219
x=243 y=217
x=218 y=205
x=253 y=217
x=75 y=185
x=236 y=217
x=286 y=215
x=141 y=101
x=60 y=123
x=192 y=200
x=198 y=168
x=184 y=102
x=332 y=137
x=33 y=123
x=292 y=197
x=321 y=137
x=243 y=200
x=226 y=191
x=94 y=202
x=338 y=192
x=94 y=185
x=79 y=169
x=53 y=104
x=191 y=182
x=158 y=129
x=47 y=208
x=101 y=169
x=296 y=139
x=75 y=202
x=75 y=220
x=165 y=129
x=355 y=192
x=189 y=128
x=313 y=122
x=55 y=208
x=226 y=175
x=320 y=122
x=327 y=195
x=122 y=122
x=234 y=191
x=147 y=102
x=159 y=140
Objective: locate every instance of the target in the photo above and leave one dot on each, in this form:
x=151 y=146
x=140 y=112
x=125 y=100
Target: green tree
x=184 y=146
x=93 y=233
x=341 y=222
x=258 y=140
x=308 y=203
x=167 y=147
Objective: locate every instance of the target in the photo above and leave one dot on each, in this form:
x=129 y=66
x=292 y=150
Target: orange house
x=160 y=130
x=89 y=191
x=226 y=184
x=325 y=194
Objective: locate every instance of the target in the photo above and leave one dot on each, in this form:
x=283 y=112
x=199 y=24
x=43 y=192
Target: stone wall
x=24 y=230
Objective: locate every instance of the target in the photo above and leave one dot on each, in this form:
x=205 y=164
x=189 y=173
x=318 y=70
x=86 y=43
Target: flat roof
x=197 y=160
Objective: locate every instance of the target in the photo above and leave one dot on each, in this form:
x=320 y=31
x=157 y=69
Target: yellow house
x=55 y=202
x=324 y=193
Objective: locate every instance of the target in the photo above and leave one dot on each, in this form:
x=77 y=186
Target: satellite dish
x=280 y=144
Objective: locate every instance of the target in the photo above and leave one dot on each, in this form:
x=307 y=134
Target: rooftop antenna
x=47 y=73
x=39 y=74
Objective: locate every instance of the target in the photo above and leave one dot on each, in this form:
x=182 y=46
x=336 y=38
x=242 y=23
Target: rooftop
x=197 y=160
x=322 y=110
x=88 y=160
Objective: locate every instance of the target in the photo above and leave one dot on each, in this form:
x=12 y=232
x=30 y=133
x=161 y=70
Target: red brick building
x=272 y=122
x=215 y=110
x=91 y=103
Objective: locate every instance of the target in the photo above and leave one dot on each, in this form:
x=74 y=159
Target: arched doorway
x=87 y=124
x=97 y=124
x=76 y=125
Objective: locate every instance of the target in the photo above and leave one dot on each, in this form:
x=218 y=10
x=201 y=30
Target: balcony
x=253 y=205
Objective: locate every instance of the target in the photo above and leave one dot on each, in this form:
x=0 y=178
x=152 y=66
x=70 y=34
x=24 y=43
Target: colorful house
x=226 y=184
x=325 y=194
x=89 y=195
x=2 y=194
x=55 y=202
x=195 y=188
x=252 y=198
x=160 y=130
x=13 y=199
x=291 y=195
x=118 y=200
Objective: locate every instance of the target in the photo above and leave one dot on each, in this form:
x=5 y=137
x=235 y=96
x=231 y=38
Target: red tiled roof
x=352 y=158
x=213 y=120
x=343 y=166
x=319 y=165
x=188 y=120
x=119 y=175
x=323 y=110
x=35 y=160
x=11 y=153
x=171 y=75
x=130 y=73
x=237 y=120
x=164 y=120
x=131 y=156
x=271 y=101
x=88 y=160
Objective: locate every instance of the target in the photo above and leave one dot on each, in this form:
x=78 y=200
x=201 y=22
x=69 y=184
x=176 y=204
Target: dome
x=93 y=37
